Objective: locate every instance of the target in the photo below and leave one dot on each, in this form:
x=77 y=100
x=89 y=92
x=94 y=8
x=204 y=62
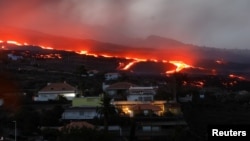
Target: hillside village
x=56 y=95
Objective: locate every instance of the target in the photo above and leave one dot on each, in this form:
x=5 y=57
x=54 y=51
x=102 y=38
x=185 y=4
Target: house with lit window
x=54 y=90
x=140 y=100
x=83 y=108
x=131 y=108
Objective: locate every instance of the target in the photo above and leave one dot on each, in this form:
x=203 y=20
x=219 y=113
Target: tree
x=52 y=116
x=106 y=110
x=81 y=70
x=28 y=120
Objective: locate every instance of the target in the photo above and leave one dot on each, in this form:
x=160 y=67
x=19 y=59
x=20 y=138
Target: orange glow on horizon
x=180 y=65
x=44 y=47
x=24 y=44
x=14 y=42
x=83 y=52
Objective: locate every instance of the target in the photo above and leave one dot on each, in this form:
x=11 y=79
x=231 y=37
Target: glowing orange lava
x=107 y=56
x=14 y=42
x=129 y=65
x=237 y=76
x=220 y=62
x=84 y=52
x=44 y=47
x=24 y=44
x=180 y=65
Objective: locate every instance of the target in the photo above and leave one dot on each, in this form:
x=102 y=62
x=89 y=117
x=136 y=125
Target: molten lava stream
x=179 y=66
x=129 y=65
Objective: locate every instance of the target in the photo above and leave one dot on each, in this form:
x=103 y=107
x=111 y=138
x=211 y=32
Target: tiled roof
x=146 y=107
x=58 y=87
x=78 y=124
x=121 y=85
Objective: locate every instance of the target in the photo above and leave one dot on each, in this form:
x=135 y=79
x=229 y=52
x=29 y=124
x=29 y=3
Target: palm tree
x=106 y=110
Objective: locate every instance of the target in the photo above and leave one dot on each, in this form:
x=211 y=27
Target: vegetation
x=106 y=111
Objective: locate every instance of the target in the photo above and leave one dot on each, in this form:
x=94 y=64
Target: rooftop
x=146 y=107
x=86 y=101
x=78 y=124
x=121 y=85
x=58 y=87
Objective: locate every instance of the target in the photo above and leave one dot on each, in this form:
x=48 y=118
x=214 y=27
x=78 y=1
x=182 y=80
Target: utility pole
x=174 y=86
x=15 y=129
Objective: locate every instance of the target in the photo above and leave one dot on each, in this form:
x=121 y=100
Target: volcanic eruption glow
x=45 y=47
x=129 y=65
x=180 y=65
x=14 y=42
x=131 y=58
x=84 y=52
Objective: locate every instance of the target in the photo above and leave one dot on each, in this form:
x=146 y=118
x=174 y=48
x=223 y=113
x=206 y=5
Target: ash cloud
x=219 y=23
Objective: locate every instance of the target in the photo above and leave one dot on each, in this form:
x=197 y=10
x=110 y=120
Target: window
x=81 y=113
x=148 y=98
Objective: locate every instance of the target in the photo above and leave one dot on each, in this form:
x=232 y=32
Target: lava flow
x=129 y=65
x=24 y=44
x=237 y=76
x=179 y=64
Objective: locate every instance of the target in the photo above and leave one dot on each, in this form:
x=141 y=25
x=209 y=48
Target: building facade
x=54 y=90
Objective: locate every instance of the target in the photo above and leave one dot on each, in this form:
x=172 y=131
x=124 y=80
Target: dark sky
x=218 y=23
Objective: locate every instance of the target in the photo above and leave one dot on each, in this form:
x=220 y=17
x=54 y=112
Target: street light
x=15 y=129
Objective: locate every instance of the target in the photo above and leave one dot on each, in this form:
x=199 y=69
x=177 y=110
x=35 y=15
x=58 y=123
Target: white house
x=111 y=76
x=53 y=90
x=141 y=94
x=14 y=57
